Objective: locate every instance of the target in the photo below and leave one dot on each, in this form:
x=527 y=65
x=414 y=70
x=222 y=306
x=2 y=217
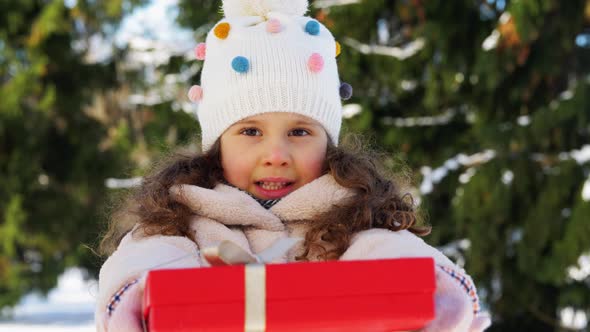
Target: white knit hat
x=264 y=56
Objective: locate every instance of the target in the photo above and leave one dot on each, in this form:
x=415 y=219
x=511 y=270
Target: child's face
x=272 y=154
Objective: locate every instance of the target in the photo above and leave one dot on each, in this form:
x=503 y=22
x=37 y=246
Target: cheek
x=236 y=171
x=312 y=164
x=236 y=167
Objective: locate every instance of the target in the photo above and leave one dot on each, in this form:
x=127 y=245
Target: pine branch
x=320 y=4
x=400 y=53
x=421 y=121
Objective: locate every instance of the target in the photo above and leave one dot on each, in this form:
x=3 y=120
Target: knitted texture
x=287 y=65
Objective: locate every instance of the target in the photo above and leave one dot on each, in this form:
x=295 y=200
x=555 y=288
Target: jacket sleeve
x=137 y=255
x=379 y=243
x=457 y=304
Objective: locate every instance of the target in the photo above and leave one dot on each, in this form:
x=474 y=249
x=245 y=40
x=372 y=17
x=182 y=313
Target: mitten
x=481 y=321
x=454 y=307
x=124 y=313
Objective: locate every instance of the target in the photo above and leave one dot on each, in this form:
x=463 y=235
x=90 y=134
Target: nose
x=277 y=154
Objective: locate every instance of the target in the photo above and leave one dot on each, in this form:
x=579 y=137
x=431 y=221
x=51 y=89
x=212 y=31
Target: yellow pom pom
x=222 y=30
x=338 y=48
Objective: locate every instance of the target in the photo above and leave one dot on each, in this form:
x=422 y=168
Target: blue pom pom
x=240 y=64
x=345 y=91
x=312 y=27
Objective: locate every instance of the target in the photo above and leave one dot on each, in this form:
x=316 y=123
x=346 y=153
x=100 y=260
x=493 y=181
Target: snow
x=582 y=155
x=523 y=120
x=432 y=177
x=400 y=53
x=112 y=183
x=491 y=41
x=573 y=319
x=155 y=21
x=47 y=328
x=507 y=177
x=68 y=307
x=423 y=121
x=333 y=3
x=581 y=271
x=586 y=190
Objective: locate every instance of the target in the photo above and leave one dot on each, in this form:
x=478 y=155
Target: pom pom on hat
x=312 y=27
x=240 y=64
x=316 y=63
x=195 y=94
x=200 y=51
x=222 y=30
x=345 y=91
x=273 y=25
x=235 y=8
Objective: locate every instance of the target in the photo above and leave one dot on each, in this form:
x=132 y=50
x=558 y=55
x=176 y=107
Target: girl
x=270 y=114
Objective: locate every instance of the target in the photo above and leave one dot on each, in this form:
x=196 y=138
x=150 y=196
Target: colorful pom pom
x=338 y=48
x=316 y=62
x=200 y=51
x=273 y=25
x=195 y=94
x=240 y=64
x=345 y=91
x=222 y=30
x=312 y=27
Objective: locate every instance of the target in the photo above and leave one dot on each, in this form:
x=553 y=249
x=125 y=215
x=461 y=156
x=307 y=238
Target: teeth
x=273 y=185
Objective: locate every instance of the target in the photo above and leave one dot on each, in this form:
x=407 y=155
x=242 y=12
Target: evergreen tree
x=492 y=95
x=54 y=153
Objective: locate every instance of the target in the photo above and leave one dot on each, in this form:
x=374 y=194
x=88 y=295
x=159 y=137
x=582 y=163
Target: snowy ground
x=68 y=307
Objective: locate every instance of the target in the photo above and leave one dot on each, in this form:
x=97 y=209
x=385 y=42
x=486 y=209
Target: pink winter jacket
x=226 y=213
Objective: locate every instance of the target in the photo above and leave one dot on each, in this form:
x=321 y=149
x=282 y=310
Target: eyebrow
x=247 y=122
x=304 y=122
x=299 y=122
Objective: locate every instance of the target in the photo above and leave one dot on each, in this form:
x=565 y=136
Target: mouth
x=272 y=189
x=267 y=185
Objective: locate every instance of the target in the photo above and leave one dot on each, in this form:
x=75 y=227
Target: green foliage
x=475 y=76
x=52 y=167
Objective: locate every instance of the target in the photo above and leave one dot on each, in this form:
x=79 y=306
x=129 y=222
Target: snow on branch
x=123 y=183
x=432 y=177
x=400 y=53
x=333 y=3
x=422 y=121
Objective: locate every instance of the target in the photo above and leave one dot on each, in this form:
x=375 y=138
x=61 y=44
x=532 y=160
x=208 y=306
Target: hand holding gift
x=455 y=310
x=375 y=295
x=128 y=304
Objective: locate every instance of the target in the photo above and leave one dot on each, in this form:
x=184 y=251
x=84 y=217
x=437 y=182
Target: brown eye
x=251 y=132
x=299 y=132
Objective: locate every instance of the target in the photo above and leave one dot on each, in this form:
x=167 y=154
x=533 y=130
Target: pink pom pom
x=195 y=94
x=200 y=51
x=273 y=25
x=316 y=63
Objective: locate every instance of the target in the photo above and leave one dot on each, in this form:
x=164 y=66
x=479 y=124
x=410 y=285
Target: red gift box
x=377 y=295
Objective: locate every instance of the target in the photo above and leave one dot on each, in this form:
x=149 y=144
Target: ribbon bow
x=229 y=253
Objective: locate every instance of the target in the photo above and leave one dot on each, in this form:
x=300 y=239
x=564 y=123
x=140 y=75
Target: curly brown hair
x=378 y=200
